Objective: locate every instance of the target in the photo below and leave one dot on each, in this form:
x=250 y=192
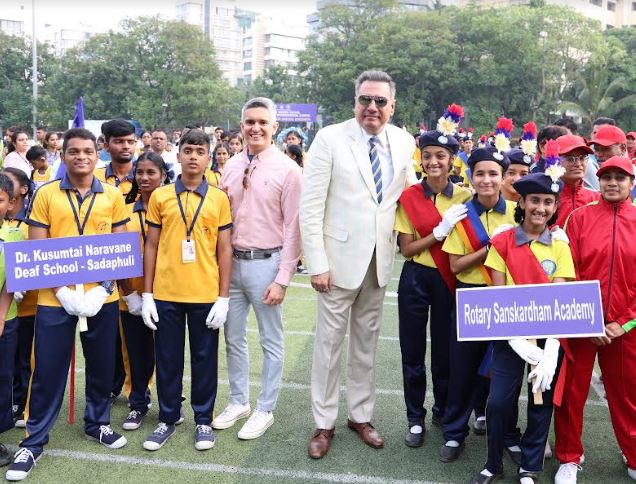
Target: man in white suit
x=354 y=174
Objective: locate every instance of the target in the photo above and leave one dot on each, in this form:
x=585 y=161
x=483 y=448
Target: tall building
x=268 y=43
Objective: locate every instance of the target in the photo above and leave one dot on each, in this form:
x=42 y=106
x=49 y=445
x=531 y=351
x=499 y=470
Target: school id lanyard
x=80 y=227
x=183 y=215
x=141 y=225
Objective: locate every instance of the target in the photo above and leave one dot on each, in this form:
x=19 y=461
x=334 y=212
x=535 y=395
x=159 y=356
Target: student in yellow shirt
x=467 y=250
x=221 y=155
x=42 y=172
x=120 y=143
x=187 y=271
x=8 y=319
x=77 y=204
x=150 y=174
x=426 y=214
x=529 y=254
x=16 y=217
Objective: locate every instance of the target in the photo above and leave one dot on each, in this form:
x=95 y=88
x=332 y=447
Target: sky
x=105 y=15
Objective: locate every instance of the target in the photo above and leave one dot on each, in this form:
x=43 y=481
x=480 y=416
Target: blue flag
x=78 y=120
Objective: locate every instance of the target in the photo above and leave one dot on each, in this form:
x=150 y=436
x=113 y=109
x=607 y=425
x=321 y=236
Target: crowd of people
x=223 y=223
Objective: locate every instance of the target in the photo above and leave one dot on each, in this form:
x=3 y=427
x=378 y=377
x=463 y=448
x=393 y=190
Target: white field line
x=308 y=286
x=297 y=475
x=343 y=389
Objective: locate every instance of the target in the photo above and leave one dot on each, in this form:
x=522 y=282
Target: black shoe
x=528 y=475
x=449 y=454
x=482 y=479
x=479 y=426
x=414 y=440
x=437 y=420
x=5 y=457
x=515 y=456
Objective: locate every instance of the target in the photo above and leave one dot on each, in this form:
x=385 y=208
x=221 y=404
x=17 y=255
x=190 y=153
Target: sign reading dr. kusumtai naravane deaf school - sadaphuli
x=534 y=311
x=45 y=263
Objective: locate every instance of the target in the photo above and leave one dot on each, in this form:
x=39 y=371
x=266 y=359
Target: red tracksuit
x=602 y=241
x=572 y=197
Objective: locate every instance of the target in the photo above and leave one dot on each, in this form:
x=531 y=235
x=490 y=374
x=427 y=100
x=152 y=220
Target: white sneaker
x=631 y=473
x=256 y=425
x=230 y=415
x=567 y=473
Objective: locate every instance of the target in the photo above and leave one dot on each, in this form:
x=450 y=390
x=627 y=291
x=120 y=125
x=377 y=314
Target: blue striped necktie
x=375 y=166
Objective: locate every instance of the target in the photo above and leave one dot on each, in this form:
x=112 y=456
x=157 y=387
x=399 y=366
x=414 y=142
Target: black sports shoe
x=515 y=455
x=23 y=461
x=412 y=439
x=483 y=479
x=159 y=437
x=479 y=426
x=107 y=437
x=449 y=454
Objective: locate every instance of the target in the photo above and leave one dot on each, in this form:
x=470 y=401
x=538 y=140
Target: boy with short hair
x=187 y=270
x=120 y=142
x=42 y=172
x=77 y=204
x=8 y=319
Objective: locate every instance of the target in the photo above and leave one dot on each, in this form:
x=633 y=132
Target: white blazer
x=341 y=222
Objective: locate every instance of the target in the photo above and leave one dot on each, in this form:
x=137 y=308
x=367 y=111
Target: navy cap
x=436 y=138
x=537 y=183
x=488 y=154
x=518 y=157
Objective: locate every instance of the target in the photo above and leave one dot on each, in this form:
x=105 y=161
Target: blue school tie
x=375 y=166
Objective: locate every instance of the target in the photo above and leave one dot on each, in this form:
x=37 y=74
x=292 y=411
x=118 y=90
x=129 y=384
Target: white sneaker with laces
x=631 y=473
x=567 y=473
x=256 y=425
x=230 y=415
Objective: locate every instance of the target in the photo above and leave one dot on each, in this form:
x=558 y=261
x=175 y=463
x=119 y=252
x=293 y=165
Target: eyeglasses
x=246 y=176
x=365 y=100
x=574 y=159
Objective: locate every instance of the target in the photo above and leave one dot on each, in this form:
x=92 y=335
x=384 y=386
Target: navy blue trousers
x=140 y=346
x=22 y=371
x=54 y=339
x=119 y=376
x=8 y=345
x=169 y=355
x=422 y=290
x=507 y=374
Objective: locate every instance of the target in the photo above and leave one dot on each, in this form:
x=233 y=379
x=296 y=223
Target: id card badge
x=188 y=254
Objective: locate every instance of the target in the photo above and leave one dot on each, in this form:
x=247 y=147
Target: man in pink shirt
x=264 y=189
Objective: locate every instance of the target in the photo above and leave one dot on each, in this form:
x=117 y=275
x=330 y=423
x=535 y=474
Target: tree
x=278 y=84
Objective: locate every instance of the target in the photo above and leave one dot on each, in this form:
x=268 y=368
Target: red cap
x=631 y=134
x=620 y=162
x=608 y=135
x=571 y=142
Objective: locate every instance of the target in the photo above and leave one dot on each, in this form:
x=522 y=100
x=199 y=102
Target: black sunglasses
x=379 y=100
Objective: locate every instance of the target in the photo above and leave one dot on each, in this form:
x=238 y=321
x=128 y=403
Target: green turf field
x=280 y=456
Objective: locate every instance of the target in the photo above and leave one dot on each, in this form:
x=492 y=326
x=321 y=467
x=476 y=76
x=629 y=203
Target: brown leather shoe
x=320 y=443
x=367 y=433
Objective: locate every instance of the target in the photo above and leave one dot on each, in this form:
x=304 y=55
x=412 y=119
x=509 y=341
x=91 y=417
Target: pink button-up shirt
x=265 y=215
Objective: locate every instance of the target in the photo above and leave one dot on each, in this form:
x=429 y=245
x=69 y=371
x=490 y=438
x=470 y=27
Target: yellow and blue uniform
x=467 y=390
x=508 y=370
x=187 y=290
x=64 y=212
x=9 y=338
x=137 y=340
x=106 y=174
x=213 y=177
x=422 y=289
x=40 y=179
x=26 y=318
x=461 y=162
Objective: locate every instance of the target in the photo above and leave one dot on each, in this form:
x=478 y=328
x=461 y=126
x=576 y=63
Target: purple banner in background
x=37 y=264
x=296 y=113
x=571 y=309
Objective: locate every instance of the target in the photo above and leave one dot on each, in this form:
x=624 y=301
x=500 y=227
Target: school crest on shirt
x=549 y=266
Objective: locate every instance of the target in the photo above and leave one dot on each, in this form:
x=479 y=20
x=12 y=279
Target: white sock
x=452 y=443
x=514 y=448
x=416 y=429
x=486 y=473
x=481 y=419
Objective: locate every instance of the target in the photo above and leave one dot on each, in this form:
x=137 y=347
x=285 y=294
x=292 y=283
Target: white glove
x=451 y=216
x=218 y=314
x=559 y=234
x=71 y=301
x=502 y=228
x=528 y=352
x=94 y=299
x=543 y=374
x=18 y=296
x=149 y=310
x=134 y=303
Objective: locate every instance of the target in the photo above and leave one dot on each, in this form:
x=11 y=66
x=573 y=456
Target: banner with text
x=571 y=309
x=37 y=264
x=296 y=113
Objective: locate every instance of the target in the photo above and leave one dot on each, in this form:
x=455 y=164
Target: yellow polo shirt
x=451 y=195
x=51 y=209
x=459 y=163
x=553 y=255
x=502 y=213
x=105 y=174
x=212 y=177
x=26 y=308
x=175 y=280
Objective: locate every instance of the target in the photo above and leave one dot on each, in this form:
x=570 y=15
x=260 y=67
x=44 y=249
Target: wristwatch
x=109 y=286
